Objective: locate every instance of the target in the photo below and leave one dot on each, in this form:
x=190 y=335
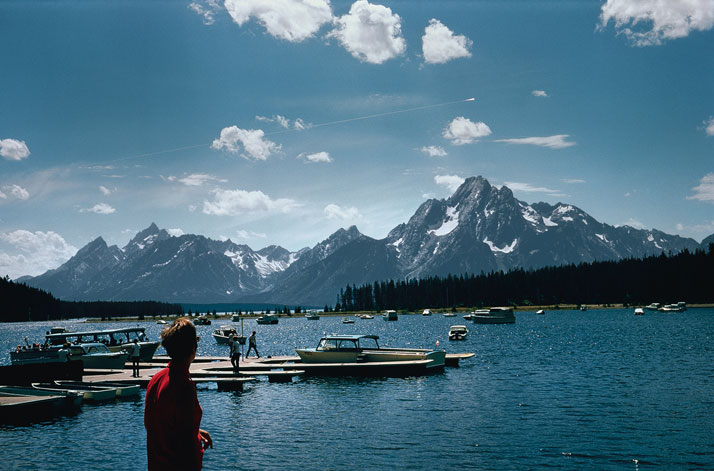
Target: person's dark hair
x=179 y=339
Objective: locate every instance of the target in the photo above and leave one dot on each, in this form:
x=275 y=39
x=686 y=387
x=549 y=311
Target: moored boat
x=25 y=404
x=653 y=307
x=540 y=312
x=390 y=315
x=225 y=333
x=202 y=320
x=267 y=319
x=458 y=332
x=366 y=316
x=348 y=320
x=116 y=340
x=495 y=315
x=94 y=355
x=366 y=349
x=91 y=392
x=312 y=316
x=639 y=311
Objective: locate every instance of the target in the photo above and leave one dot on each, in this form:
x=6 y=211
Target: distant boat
x=495 y=315
x=267 y=319
x=583 y=307
x=348 y=320
x=653 y=307
x=540 y=312
x=366 y=316
x=679 y=307
x=161 y=322
x=449 y=314
x=235 y=318
x=639 y=311
x=390 y=315
x=225 y=333
x=311 y=316
x=202 y=320
x=427 y=312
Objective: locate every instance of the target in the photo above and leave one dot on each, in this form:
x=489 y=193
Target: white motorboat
x=225 y=333
x=495 y=315
x=679 y=307
x=449 y=314
x=94 y=355
x=478 y=312
x=427 y=312
x=116 y=340
x=653 y=307
x=540 y=312
x=202 y=320
x=390 y=315
x=365 y=349
x=348 y=320
x=267 y=319
x=366 y=316
x=639 y=311
x=91 y=392
x=311 y=316
x=458 y=332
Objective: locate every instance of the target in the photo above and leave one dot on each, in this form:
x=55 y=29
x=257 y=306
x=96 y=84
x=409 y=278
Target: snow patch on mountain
x=549 y=222
x=506 y=249
x=451 y=222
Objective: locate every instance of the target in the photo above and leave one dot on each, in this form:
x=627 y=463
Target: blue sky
x=236 y=120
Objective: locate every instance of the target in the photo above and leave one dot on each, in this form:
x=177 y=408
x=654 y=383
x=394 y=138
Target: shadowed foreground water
x=598 y=390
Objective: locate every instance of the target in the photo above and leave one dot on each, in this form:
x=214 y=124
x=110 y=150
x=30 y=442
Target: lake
x=601 y=390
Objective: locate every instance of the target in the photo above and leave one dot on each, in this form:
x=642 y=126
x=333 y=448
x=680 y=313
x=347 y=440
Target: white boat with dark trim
x=495 y=315
x=653 y=307
x=390 y=315
x=348 y=320
x=225 y=333
x=93 y=355
x=365 y=349
x=639 y=311
x=267 y=319
x=116 y=340
x=458 y=332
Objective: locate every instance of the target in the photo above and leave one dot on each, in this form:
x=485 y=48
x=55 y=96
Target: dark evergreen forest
x=22 y=303
x=685 y=276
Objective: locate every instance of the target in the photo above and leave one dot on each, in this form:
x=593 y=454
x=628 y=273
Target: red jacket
x=172 y=416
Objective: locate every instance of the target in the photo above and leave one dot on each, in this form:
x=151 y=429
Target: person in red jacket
x=172 y=413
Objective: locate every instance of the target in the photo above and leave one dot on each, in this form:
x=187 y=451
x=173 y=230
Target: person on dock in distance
x=135 y=355
x=172 y=413
x=252 y=345
x=234 y=353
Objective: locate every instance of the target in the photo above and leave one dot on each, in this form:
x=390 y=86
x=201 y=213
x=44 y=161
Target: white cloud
x=554 y=142
x=106 y=191
x=255 y=146
x=699 y=229
x=573 y=180
x=371 y=33
x=243 y=234
x=440 y=45
x=650 y=22
x=462 y=131
x=292 y=20
x=207 y=12
x=34 y=252
x=12 y=149
x=705 y=190
x=99 y=208
x=539 y=93
x=434 y=151
x=196 y=179
x=299 y=124
x=709 y=126
x=634 y=223
x=452 y=182
x=333 y=211
x=14 y=191
x=175 y=232
x=237 y=202
x=316 y=157
x=283 y=121
x=528 y=188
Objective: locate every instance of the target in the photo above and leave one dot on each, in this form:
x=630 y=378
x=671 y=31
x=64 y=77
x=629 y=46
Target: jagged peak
x=97 y=243
x=471 y=187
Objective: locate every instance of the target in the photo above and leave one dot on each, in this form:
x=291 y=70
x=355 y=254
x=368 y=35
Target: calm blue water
x=569 y=390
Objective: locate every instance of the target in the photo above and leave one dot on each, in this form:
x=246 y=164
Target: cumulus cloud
x=252 y=141
x=33 y=253
x=440 y=45
x=284 y=122
x=14 y=191
x=333 y=211
x=462 y=131
x=709 y=126
x=12 y=149
x=650 y=22
x=371 y=33
x=318 y=157
x=195 y=179
x=539 y=93
x=554 y=142
x=452 y=182
x=434 y=151
x=705 y=190
x=292 y=20
x=528 y=188
x=207 y=10
x=99 y=208
x=237 y=202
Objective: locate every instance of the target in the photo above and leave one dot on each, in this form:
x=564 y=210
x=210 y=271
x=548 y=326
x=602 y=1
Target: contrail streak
x=195 y=146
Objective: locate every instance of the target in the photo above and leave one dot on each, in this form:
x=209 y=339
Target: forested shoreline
x=685 y=276
x=24 y=303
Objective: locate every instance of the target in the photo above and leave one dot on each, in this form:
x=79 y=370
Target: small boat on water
x=312 y=316
x=653 y=307
x=449 y=314
x=202 y=320
x=93 y=355
x=427 y=312
x=366 y=316
x=583 y=307
x=458 y=332
x=679 y=307
x=540 y=312
x=225 y=333
x=117 y=340
x=366 y=349
x=639 y=311
x=267 y=319
x=348 y=320
x=495 y=315
x=390 y=315
x=91 y=392
x=478 y=312
x=235 y=318
x=124 y=390
x=161 y=322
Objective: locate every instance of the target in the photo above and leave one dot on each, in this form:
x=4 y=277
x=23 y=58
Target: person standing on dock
x=135 y=356
x=235 y=354
x=252 y=345
x=172 y=413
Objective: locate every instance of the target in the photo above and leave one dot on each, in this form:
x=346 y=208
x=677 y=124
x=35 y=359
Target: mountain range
x=479 y=228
